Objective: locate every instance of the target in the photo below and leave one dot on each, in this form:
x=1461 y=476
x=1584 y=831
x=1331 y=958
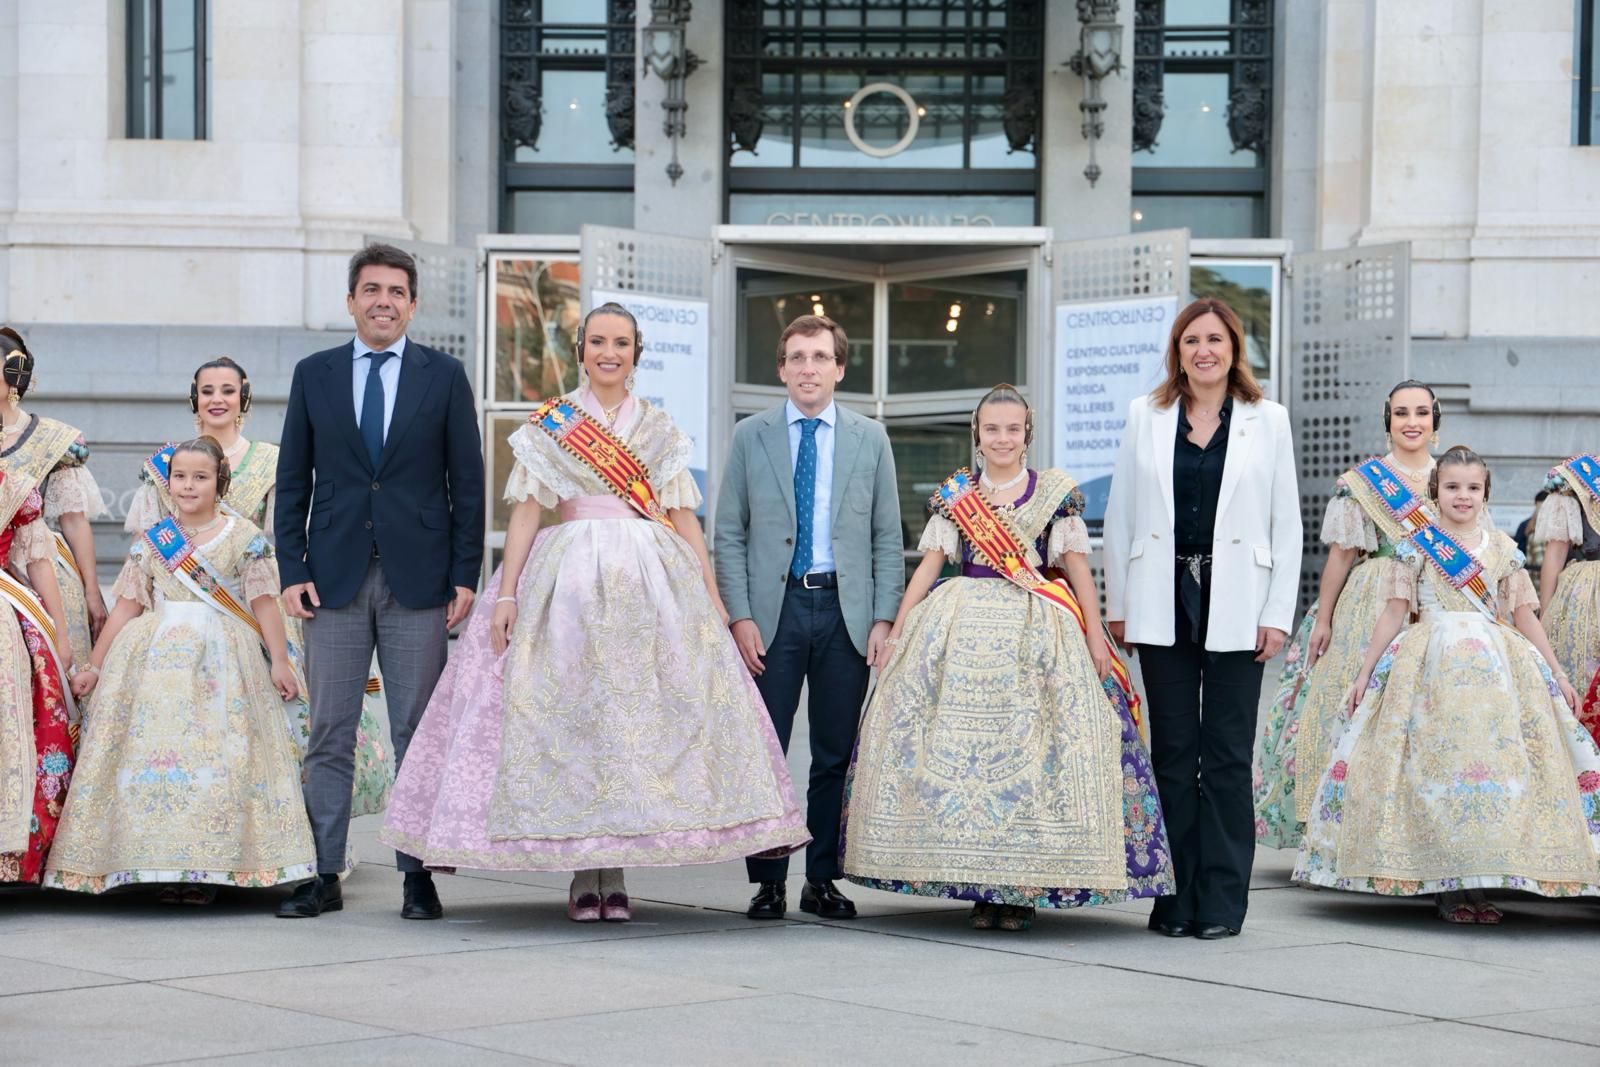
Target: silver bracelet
x=505 y=600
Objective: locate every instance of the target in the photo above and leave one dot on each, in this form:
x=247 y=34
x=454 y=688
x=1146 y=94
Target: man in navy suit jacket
x=380 y=477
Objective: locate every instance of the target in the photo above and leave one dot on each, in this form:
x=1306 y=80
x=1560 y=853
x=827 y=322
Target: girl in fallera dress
x=596 y=715
x=1463 y=767
x=1360 y=528
x=999 y=761
x=1568 y=526
x=187 y=775
x=71 y=499
x=36 y=712
x=220 y=400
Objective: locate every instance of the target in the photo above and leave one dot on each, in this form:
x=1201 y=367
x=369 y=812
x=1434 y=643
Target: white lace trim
x=941 y=535
x=1560 y=519
x=1068 y=535
x=1347 y=526
x=71 y=489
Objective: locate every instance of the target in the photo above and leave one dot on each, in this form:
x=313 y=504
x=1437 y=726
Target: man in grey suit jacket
x=808 y=559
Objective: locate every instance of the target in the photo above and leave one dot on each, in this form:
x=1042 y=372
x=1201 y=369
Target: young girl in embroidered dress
x=1463 y=767
x=999 y=762
x=187 y=774
x=596 y=715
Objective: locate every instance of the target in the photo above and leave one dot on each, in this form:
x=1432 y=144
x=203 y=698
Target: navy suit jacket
x=423 y=505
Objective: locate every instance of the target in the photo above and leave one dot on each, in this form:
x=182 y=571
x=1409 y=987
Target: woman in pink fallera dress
x=596 y=715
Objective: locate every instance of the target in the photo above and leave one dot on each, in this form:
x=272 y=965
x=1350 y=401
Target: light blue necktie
x=372 y=409
x=805 y=497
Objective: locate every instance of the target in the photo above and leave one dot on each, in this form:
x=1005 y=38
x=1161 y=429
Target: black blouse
x=1197 y=482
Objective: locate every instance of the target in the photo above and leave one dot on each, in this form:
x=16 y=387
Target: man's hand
x=292 y=606
x=878 y=647
x=747 y=636
x=1119 y=633
x=459 y=607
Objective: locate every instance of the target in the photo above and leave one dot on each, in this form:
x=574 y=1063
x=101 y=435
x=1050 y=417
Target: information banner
x=1106 y=354
x=675 y=368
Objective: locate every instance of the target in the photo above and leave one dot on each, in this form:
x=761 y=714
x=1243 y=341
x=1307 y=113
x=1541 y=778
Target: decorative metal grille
x=1241 y=48
x=529 y=45
x=1118 y=268
x=647 y=263
x=1349 y=342
x=784 y=58
x=447 y=287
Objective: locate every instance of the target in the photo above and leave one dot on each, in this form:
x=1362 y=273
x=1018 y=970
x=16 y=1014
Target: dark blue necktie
x=805 y=497
x=372 y=409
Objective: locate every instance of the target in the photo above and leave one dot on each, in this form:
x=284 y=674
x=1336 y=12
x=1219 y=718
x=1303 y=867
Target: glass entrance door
x=927 y=340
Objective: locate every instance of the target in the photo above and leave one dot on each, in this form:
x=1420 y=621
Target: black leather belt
x=815 y=580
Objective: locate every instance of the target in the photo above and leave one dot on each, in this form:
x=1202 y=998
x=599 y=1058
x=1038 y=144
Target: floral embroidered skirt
x=186 y=770
x=1462 y=769
x=994 y=765
x=1573 y=626
x=619 y=729
x=35 y=702
x=1307 y=711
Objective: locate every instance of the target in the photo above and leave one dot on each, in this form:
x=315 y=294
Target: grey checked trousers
x=411 y=646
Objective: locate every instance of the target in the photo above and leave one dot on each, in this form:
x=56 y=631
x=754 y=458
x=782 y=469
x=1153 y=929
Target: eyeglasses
x=819 y=359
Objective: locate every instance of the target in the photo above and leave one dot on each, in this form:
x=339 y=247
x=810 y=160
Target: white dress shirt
x=388 y=374
x=822 y=508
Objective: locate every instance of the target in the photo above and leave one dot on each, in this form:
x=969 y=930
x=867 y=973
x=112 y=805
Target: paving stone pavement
x=1316 y=977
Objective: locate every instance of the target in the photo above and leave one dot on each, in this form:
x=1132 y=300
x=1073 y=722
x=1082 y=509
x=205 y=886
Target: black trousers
x=812 y=645
x=1202 y=722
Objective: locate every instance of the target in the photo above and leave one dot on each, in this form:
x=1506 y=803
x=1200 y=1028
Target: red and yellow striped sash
x=603 y=453
x=998 y=546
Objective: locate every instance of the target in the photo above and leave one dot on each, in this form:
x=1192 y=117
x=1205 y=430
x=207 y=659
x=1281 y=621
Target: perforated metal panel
x=1349 y=342
x=651 y=264
x=447 y=288
x=1119 y=268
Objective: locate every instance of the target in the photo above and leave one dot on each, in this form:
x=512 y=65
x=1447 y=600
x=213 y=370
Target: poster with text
x=1106 y=354
x=674 y=370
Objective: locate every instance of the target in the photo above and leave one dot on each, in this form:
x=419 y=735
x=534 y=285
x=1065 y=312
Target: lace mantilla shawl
x=1503 y=568
x=241 y=551
x=547 y=473
x=1056 y=505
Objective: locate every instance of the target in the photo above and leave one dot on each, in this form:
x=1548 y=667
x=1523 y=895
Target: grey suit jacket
x=755 y=523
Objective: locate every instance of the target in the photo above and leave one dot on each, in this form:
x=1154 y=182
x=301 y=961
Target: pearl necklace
x=1409 y=472
x=983 y=479
x=195 y=531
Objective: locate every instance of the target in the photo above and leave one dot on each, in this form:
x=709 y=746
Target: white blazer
x=1255 y=569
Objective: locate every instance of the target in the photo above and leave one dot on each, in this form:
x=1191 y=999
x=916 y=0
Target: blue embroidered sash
x=1454 y=564
x=1385 y=488
x=1582 y=473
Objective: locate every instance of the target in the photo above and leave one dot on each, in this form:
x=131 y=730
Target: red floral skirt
x=54 y=740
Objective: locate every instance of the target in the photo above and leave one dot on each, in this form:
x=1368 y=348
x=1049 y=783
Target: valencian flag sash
x=1582 y=473
x=1455 y=564
x=602 y=453
x=999 y=547
x=178 y=556
x=1402 y=505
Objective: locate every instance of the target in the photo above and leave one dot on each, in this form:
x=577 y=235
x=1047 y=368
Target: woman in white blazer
x=1204 y=498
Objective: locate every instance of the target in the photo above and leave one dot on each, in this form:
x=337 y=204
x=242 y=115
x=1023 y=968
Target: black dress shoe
x=824 y=900
x=1180 y=928
x=1214 y=932
x=770 y=902
x=312 y=898
x=421 y=899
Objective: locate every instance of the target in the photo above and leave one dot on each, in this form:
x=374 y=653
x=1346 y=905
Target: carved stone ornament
x=745 y=118
x=619 y=114
x=1247 y=118
x=1149 y=108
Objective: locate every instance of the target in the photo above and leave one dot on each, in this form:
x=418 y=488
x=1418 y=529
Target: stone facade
x=1442 y=123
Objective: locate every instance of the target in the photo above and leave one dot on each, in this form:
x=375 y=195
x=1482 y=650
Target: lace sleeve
x=145 y=511
x=1346 y=525
x=941 y=535
x=536 y=472
x=71 y=489
x=133 y=584
x=1516 y=591
x=32 y=543
x=1068 y=535
x=258 y=569
x=680 y=492
x=1560 y=519
x=1400 y=577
